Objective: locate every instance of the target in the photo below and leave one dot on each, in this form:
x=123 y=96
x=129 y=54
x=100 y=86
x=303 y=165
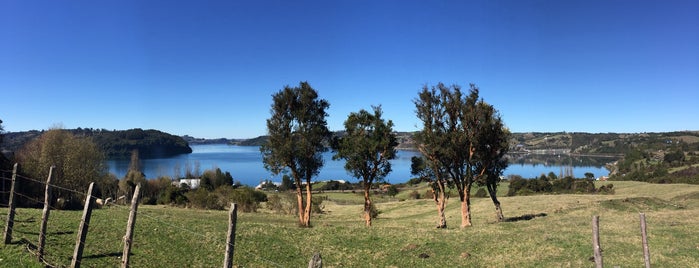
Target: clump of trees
x=77 y=162
x=675 y=163
x=297 y=132
x=463 y=141
x=553 y=185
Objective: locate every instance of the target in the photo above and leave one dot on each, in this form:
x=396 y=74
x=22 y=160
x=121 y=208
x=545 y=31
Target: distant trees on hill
x=118 y=143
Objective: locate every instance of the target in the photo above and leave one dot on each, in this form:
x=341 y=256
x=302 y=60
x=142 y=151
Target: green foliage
x=367 y=146
x=150 y=143
x=297 y=130
x=282 y=203
x=374 y=212
x=287 y=183
x=333 y=185
x=247 y=198
x=174 y=195
x=392 y=190
x=212 y=179
x=481 y=193
x=414 y=195
x=317 y=204
x=268 y=185
x=567 y=185
x=463 y=139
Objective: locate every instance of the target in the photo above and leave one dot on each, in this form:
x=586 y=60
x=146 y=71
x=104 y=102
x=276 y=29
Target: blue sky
x=209 y=68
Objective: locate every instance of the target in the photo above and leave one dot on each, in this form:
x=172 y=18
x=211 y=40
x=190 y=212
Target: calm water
x=245 y=165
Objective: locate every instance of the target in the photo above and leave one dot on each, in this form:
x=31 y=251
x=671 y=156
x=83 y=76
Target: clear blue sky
x=209 y=68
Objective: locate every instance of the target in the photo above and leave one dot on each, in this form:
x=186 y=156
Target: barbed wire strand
x=122 y=207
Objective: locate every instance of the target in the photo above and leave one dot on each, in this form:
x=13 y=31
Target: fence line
x=48 y=256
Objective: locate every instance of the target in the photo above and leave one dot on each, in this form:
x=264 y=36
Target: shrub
x=481 y=193
x=173 y=195
x=392 y=191
x=606 y=189
x=282 y=204
x=317 y=203
x=203 y=199
x=374 y=212
x=414 y=195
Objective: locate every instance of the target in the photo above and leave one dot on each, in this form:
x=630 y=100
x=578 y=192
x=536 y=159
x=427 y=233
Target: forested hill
x=118 y=143
x=601 y=143
x=566 y=142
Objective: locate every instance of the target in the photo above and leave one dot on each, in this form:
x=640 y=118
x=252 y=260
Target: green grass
x=166 y=236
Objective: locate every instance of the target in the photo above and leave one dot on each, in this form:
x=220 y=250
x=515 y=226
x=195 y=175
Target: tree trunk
x=466 y=206
x=440 y=200
x=493 y=196
x=299 y=199
x=309 y=199
x=367 y=204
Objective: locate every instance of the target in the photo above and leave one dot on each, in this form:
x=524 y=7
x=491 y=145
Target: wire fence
x=159 y=233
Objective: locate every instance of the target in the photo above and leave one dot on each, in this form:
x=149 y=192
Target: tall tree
x=133 y=176
x=368 y=145
x=77 y=160
x=449 y=140
x=297 y=130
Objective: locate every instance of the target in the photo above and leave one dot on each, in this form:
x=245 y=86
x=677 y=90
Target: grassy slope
x=404 y=230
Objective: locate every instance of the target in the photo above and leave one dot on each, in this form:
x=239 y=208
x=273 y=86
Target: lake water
x=245 y=165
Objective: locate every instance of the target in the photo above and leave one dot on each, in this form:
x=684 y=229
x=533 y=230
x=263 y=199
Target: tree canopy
x=368 y=145
x=462 y=137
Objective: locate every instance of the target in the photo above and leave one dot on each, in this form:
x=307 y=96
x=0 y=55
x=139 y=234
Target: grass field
x=402 y=236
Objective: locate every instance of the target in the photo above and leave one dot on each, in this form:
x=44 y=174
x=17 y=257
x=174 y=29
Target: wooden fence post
x=11 y=204
x=595 y=242
x=45 y=216
x=82 y=231
x=128 y=238
x=644 y=238
x=316 y=261
x=230 y=237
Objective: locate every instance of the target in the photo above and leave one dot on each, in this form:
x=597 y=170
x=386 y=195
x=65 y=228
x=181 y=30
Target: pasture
x=402 y=236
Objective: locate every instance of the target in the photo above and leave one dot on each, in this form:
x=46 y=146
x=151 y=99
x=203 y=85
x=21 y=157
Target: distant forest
x=118 y=143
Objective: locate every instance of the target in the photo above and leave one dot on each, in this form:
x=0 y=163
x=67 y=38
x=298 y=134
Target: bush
x=173 y=195
x=203 y=199
x=606 y=189
x=374 y=212
x=414 y=195
x=414 y=181
x=392 y=191
x=247 y=198
x=317 y=203
x=282 y=204
x=481 y=193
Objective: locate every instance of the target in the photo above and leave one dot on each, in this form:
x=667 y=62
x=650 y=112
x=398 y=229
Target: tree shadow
x=54 y=233
x=524 y=217
x=113 y=254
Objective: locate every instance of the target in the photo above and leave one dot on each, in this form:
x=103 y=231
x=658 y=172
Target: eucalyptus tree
x=367 y=146
x=297 y=131
x=450 y=140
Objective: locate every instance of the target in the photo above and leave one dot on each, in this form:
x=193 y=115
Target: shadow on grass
x=113 y=254
x=524 y=217
x=54 y=233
